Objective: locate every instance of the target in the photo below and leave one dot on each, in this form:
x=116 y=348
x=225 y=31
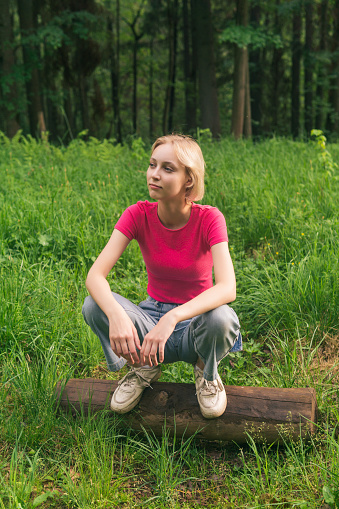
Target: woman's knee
x=90 y=309
x=222 y=322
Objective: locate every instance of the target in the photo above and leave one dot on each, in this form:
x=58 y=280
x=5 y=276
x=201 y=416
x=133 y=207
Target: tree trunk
x=247 y=112
x=189 y=69
x=241 y=93
x=135 y=82
x=150 y=88
x=295 y=92
x=114 y=49
x=256 y=77
x=83 y=88
x=277 y=77
x=308 y=66
x=267 y=414
x=30 y=54
x=239 y=85
x=173 y=66
x=8 y=84
x=136 y=37
x=172 y=10
x=208 y=98
x=319 y=121
x=333 y=117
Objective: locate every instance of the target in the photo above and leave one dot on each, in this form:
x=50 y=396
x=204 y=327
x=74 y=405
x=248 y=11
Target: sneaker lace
x=207 y=387
x=132 y=377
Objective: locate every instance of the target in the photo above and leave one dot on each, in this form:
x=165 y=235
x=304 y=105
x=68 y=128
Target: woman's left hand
x=155 y=341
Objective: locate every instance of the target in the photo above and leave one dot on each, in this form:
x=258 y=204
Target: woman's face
x=167 y=177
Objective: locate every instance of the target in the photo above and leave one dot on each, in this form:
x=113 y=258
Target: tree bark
x=267 y=414
x=172 y=10
x=295 y=92
x=136 y=38
x=247 y=112
x=150 y=88
x=239 y=85
x=173 y=66
x=333 y=116
x=241 y=92
x=9 y=88
x=256 y=77
x=308 y=65
x=320 y=117
x=208 y=97
x=277 y=78
x=114 y=50
x=189 y=68
x=83 y=88
x=30 y=54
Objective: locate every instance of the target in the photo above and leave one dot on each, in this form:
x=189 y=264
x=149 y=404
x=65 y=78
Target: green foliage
x=325 y=157
x=256 y=37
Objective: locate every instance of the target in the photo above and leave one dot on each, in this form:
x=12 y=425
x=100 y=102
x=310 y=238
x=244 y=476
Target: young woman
x=186 y=317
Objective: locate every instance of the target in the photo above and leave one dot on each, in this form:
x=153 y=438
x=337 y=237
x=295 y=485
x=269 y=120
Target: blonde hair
x=189 y=154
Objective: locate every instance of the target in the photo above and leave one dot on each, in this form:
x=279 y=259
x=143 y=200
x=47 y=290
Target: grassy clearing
x=57 y=210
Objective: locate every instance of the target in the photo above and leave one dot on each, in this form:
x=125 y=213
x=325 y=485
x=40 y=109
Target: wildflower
x=292 y=263
x=277 y=253
x=302 y=234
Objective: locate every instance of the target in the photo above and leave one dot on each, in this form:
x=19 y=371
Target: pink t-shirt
x=178 y=262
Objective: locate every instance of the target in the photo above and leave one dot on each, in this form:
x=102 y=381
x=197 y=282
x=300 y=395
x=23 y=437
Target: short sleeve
x=127 y=223
x=216 y=230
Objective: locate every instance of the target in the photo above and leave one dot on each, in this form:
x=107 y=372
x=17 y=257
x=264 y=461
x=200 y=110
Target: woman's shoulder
x=211 y=223
x=205 y=211
x=142 y=207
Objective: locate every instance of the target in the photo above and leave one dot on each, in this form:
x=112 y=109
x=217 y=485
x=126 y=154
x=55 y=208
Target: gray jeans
x=210 y=336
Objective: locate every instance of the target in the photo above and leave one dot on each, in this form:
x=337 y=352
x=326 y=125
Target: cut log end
x=266 y=414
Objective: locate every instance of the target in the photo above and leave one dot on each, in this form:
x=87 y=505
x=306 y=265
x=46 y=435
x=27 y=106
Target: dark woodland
x=118 y=69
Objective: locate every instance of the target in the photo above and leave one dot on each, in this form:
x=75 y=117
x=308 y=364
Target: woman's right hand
x=124 y=338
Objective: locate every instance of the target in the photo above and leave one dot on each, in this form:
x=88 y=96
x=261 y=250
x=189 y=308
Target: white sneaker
x=211 y=395
x=130 y=388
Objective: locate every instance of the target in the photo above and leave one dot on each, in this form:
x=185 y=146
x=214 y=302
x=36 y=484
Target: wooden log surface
x=266 y=413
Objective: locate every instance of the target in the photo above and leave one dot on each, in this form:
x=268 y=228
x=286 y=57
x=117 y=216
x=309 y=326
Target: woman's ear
x=189 y=179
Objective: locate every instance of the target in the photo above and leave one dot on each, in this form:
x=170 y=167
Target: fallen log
x=267 y=414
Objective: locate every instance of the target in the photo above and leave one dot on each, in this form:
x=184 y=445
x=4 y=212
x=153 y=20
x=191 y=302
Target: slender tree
x=31 y=59
x=172 y=23
x=150 y=88
x=189 y=67
x=308 y=65
x=322 y=69
x=296 y=62
x=256 y=75
x=241 y=101
x=113 y=27
x=7 y=72
x=136 y=38
x=208 y=96
x=333 y=117
x=277 y=78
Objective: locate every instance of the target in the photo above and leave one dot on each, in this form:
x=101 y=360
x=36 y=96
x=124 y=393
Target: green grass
x=58 y=207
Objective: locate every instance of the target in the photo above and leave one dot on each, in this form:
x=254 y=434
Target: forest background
x=118 y=69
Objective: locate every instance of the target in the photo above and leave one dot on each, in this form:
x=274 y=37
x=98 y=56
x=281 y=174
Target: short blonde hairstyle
x=189 y=154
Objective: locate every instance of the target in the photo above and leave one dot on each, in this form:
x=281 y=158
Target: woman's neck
x=172 y=216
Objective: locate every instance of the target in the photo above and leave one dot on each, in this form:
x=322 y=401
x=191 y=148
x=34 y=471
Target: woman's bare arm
x=122 y=332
